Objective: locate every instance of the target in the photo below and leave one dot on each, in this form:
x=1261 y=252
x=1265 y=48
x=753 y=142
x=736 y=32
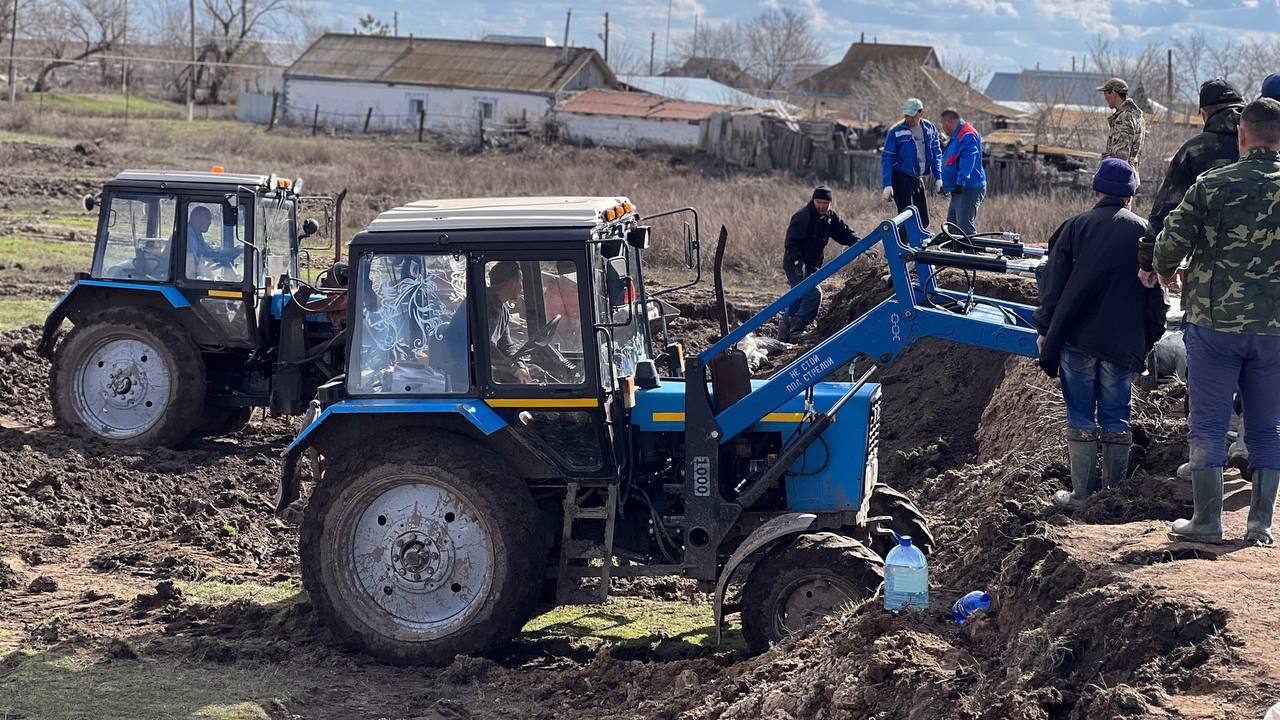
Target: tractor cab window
x=213 y=251
x=411 y=333
x=618 y=305
x=137 y=238
x=275 y=220
x=533 y=323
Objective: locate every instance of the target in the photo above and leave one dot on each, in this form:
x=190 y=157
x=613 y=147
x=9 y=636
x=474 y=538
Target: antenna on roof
x=564 y=53
x=862 y=37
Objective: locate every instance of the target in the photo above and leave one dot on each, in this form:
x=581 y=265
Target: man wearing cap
x=1220 y=107
x=962 y=175
x=1226 y=230
x=912 y=154
x=1097 y=323
x=1124 y=141
x=806 y=242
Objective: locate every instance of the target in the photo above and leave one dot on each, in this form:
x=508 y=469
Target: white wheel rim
x=122 y=388
x=421 y=557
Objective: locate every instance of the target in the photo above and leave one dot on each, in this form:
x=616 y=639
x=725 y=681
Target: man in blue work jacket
x=911 y=155
x=962 y=175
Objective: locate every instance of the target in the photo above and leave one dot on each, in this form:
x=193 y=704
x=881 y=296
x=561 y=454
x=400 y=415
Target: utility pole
x=695 y=36
x=395 y=23
x=13 y=78
x=191 y=77
x=653 y=42
x=606 y=38
x=124 y=50
x=1168 y=80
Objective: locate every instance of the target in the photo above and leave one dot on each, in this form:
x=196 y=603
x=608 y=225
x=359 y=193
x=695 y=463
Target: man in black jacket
x=806 y=242
x=1097 y=322
x=1220 y=107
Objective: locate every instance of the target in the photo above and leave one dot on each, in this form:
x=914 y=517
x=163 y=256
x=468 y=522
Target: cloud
x=1093 y=17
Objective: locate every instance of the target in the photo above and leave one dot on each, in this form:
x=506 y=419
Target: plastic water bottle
x=906 y=577
x=965 y=606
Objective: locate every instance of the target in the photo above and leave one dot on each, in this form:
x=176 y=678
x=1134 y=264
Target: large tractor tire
x=422 y=549
x=126 y=375
x=803 y=581
x=897 y=514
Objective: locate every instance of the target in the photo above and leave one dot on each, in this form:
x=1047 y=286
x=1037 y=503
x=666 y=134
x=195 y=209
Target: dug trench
x=129 y=577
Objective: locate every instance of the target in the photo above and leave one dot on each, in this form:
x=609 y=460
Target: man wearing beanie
x=1271 y=87
x=1228 y=232
x=1220 y=107
x=805 y=245
x=1097 y=323
x=912 y=154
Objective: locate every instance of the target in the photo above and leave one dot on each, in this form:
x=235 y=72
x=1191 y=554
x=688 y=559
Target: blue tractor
x=515 y=425
x=192 y=313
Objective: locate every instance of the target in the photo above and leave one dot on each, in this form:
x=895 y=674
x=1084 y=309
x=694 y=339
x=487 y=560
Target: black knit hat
x=1218 y=92
x=822 y=192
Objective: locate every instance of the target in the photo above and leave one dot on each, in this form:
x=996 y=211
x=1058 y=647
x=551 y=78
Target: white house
x=396 y=82
x=633 y=120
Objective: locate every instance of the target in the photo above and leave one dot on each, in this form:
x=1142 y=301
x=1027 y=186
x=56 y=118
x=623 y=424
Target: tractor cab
x=532 y=311
x=207 y=263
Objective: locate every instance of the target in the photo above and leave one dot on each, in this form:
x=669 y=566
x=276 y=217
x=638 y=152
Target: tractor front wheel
x=803 y=581
x=127 y=376
x=422 y=552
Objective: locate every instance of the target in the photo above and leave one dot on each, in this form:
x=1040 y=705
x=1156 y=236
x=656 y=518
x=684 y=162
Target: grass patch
x=80 y=221
x=220 y=593
x=105 y=104
x=20 y=312
x=13 y=137
x=665 y=628
x=34 y=253
x=57 y=687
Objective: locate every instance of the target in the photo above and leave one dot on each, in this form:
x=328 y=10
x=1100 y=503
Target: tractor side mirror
x=90 y=202
x=619 y=285
x=638 y=237
x=309 y=227
x=297 y=186
x=690 y=246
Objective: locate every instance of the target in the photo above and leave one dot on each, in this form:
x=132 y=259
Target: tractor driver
x=205 y=261
x=505 y=287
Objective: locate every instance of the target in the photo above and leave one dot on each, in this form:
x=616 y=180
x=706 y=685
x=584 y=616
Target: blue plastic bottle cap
x=904 y=540
x=985 y=598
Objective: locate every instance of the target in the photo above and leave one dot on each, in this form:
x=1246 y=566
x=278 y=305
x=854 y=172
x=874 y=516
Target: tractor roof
x=187 y=177
x=497 y=213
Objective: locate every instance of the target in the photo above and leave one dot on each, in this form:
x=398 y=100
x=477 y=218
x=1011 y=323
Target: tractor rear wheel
x=898 y=514
x=803 y=581
x=127 y=376
x=419 y=551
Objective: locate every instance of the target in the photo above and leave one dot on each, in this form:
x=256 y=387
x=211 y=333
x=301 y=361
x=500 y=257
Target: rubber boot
x=1205 y=524
x=1115 y=457
x=784 y=328
x=1082 y=447
x=1262 y=506
x=1238 y=455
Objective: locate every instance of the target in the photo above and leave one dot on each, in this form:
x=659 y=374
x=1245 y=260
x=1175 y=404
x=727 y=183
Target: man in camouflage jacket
x=1228 y=230
x=1127 y=128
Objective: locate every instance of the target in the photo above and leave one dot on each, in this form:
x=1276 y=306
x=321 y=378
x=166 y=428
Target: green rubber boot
x=1115 y=457
x=1205 y=524
x=1082 y=447
x=1262 y=507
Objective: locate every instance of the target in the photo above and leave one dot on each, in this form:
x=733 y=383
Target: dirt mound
x=1025 y=416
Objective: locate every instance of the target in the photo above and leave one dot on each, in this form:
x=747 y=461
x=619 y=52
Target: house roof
x=1056 y=87
x=492 y=213
x=637 y=105
x=701 y=90
x=860 y=53
x=434 y=61
x=722 y=70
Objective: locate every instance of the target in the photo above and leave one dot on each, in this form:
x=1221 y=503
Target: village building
x=633 y=120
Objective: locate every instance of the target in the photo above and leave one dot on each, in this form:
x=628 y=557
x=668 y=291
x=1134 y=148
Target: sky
x=993 y=35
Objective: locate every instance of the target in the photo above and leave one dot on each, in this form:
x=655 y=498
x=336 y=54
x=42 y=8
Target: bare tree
x=69 y=31
x=778 y=41
x=234 y=27
x=722 y=41
x=628 y=59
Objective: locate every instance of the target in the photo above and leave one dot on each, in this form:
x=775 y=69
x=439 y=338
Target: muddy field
x=140 y=584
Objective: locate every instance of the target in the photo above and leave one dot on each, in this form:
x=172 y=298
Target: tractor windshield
x=135 y=241
x=277 y=230
x=410 y=335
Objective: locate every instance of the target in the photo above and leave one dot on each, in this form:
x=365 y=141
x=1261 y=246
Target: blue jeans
x=963 y=210
x=1097 y=392
x=803 y=311
x=1217 y=363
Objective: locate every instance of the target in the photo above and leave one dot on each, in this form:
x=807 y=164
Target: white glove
x=937 y=186
x=888 y=193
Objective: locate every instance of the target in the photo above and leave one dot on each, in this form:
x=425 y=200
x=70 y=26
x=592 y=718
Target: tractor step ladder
x=577 y=556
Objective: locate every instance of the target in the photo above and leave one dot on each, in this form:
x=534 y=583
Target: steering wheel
x=541 y=338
